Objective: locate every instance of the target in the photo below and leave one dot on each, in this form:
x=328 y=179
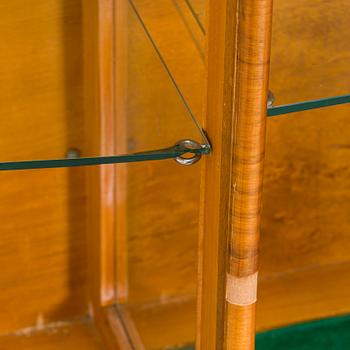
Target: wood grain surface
x=43 y=244
x=57 y=336
x=99 y=131
x=250 y=76
x=216 y=177
x=306 y=196
x=315 y=292
x=164 y=326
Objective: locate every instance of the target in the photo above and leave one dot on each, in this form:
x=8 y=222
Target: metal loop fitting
x=189 y=145
x=270 y=99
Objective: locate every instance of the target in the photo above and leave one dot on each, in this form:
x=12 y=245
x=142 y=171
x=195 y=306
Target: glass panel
x=310 y=50
x=305 y=221
x=152 y=112
x=306 y=189
x=197 y=7
x=178 y=37
x=153 y=89
x=158 y=202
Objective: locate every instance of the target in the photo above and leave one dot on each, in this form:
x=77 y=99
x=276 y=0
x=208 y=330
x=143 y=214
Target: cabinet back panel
x=42 y=244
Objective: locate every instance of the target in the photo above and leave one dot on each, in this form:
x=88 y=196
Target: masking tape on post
x=242 y=291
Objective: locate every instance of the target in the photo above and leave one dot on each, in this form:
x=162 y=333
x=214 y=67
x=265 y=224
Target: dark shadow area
x=72 y=35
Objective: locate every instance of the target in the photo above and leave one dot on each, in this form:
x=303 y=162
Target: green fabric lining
x=327 y=334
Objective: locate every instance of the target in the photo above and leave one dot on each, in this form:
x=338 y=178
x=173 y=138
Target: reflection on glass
x=157 y=243
x=197 y=8
x=306 y=190
x=178 y=38
x=166 y=116
x=310 y=50
x=152 y=112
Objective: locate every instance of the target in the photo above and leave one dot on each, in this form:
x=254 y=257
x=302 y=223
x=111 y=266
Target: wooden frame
x=100 y=129
x=238 y=62
x=99 y=21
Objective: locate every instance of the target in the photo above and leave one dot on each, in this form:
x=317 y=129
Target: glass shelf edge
x=161 y=154
x=307 y=105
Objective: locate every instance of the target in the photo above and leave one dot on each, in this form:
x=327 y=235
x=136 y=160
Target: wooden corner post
x=238 y=53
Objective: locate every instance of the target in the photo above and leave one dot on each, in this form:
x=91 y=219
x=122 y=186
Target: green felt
x=327 y=334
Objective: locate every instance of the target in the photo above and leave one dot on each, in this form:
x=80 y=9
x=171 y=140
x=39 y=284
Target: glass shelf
x=307 y=105
x=153 y=123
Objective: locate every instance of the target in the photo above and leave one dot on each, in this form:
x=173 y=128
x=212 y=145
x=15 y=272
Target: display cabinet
x=156 y=156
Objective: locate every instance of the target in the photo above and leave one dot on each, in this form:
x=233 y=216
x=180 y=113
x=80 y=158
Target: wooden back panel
x=43 y=245
x=306 y=201
x=306 y=206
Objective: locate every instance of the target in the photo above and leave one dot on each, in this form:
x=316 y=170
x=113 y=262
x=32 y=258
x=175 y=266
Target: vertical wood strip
x=121 y=132
x=99 y=114
x=104 y=123
x=238 y=61
x=216 y=176
x=107 y=134
x=99 y=97
x=99 y=44
x=252 y=67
